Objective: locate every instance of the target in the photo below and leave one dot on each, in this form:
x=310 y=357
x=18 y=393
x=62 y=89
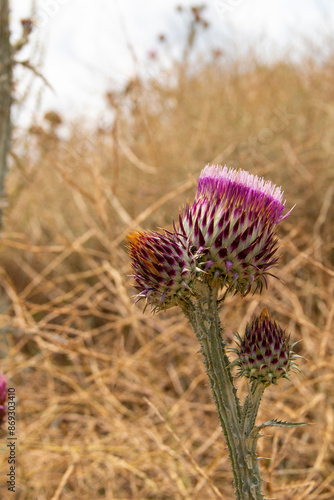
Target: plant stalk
x=204 y=318
x=5 y=98
x=251 y=406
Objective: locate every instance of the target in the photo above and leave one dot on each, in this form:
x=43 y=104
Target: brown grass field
x=112 y=402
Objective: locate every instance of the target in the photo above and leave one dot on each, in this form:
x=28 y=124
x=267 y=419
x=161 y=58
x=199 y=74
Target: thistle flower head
x=265 y=354
x=164 y=268
x=232 y=224
x=3 y=397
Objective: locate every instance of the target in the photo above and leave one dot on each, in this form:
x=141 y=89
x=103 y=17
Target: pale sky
x=85 y=42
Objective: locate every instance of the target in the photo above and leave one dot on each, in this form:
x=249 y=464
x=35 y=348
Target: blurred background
x=86 y=48
x=117 y=106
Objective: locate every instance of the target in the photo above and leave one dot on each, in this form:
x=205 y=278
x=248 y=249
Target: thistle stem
x=251 y=406
x=204 y=318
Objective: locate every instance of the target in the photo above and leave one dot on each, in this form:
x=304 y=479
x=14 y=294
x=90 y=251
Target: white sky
x=85 y=41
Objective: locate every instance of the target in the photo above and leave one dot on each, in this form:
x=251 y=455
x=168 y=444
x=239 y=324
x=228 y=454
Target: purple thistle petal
x=228 y=265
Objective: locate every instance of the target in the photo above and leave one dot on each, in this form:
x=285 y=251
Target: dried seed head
x=164 y=267
x=232 y=225
x=264 y=354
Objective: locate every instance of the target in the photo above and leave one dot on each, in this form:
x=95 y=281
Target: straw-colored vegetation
x=113 y=403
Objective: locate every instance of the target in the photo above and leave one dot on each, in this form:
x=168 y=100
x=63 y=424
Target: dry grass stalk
x=112 y=403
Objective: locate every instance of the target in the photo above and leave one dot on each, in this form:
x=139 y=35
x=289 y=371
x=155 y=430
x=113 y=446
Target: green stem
x=204 y=318
x=251 y=406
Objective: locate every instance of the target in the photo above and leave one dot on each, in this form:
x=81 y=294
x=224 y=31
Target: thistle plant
x=225 y=242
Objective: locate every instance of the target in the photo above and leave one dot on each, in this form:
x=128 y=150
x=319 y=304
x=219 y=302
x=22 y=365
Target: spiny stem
x=204 y=318
x=251 y=406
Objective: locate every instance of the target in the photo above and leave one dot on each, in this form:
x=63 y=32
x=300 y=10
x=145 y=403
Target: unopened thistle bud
x=232 y=224
x=164 y=267
x=265 y=354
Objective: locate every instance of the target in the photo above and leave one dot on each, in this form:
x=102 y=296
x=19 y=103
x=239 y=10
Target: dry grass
x=114 y=403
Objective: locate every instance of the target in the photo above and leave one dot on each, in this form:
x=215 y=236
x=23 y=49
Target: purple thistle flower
x=3 y=397
x=232 y=224
x=163 y=265
x=265 y=354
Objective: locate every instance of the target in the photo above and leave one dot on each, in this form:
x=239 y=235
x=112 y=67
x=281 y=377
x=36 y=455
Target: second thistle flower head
x=163 y=265
x=264 y=354
x=232 y=224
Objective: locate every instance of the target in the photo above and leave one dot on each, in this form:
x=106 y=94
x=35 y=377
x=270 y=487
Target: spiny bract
x=232 y=226
x=264 y=354
x=164 y=267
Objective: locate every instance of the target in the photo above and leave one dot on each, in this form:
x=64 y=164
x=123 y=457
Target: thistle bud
x=164 y=267
x=265 y=354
